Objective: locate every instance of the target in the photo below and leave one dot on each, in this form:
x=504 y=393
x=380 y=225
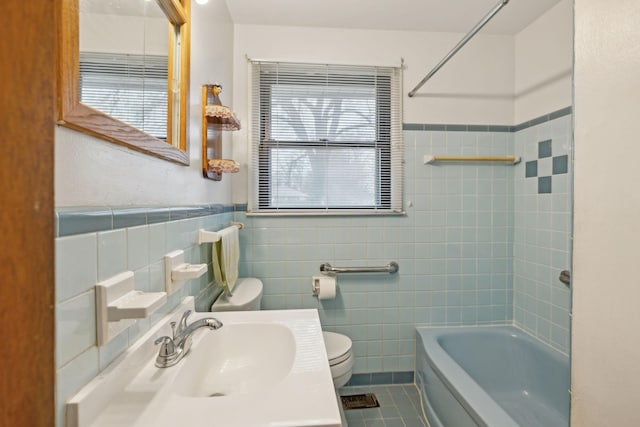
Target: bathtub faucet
x=172 y=350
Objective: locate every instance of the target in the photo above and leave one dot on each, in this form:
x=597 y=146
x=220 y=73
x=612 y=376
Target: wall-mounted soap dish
x=118 y=304
x=177 y=272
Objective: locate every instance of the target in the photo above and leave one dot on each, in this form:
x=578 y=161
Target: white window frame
x=387 y=143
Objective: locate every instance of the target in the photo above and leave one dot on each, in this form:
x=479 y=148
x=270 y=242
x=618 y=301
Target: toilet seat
x=342 y=369
x=338 y=347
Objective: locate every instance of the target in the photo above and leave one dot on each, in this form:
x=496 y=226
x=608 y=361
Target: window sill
x=325 y=213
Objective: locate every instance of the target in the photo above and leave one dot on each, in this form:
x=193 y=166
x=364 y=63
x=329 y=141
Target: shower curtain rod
x=465 y=39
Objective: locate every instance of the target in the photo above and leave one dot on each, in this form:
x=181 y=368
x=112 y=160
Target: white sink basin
x=240 y=358
x=262 y=368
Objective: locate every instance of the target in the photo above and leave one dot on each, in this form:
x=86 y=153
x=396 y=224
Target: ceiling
x=407 y=15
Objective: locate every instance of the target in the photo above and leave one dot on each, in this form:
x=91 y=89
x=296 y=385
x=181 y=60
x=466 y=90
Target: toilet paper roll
x=325 y=287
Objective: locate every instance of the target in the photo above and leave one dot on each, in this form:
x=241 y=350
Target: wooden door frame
x=27 y=65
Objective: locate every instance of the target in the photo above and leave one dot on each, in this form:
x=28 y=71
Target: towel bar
x=327 y=269
x=428 y=159
x=205 y=236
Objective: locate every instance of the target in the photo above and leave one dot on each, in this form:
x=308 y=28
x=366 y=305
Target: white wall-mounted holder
x=430 y=158
x=205 y=236
x=176 y=271
x=118 y=305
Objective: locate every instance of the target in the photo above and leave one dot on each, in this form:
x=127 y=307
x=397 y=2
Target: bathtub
x=496 y=376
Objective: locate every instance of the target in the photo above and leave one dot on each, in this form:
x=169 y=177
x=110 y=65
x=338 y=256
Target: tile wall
x=84 y=259
x=542 y=240
x=454 y=248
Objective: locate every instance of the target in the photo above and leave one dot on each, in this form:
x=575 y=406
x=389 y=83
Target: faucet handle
x=168 y=354
x=167 y=347
x=173 y=329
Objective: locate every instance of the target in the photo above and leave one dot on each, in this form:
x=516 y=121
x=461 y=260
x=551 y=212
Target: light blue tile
x=545 y=166
x=469 y=315
x=438 y=299
x=454 y=315
x=111 y=350
x=390 y=316
x=560 y=338
x=141 y=279
x=179 y=235
x=137 y=247
x=76 y=265
x=374 y=364
x=136 y=330
x=454 y=298
x=374 y=348
x=374 y=332
x=390 y=332
x=75 y=327
x=484 y=297
x=112 y=253
x=485 y=314
x=156 y=277
x=422 y=315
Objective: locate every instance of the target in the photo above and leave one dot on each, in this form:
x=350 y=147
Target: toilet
x=340 y=357
x=247 y=295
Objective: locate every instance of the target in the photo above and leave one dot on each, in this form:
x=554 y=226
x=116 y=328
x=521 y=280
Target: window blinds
x=325 y=139
x=131 y=88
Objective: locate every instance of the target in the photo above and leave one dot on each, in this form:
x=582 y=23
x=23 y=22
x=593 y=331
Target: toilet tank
x=247 y=296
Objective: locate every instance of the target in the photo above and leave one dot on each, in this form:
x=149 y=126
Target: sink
x=261 y=369
x=240 y=358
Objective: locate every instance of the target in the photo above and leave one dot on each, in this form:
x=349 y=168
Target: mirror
x=123 y=72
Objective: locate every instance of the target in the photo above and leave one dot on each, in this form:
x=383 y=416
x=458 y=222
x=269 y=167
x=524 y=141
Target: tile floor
x=399 y=407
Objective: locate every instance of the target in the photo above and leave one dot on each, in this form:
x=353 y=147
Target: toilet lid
x=338 y=347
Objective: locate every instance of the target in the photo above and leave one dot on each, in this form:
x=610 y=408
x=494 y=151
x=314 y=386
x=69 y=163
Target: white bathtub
x=495 y=376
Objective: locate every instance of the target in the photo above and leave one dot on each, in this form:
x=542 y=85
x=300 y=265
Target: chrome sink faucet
x=173 y=349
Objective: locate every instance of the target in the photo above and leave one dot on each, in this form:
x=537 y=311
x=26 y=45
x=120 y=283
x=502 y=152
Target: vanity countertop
x=269 y=368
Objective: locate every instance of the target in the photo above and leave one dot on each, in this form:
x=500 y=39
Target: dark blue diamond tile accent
x=560 y=164
x=544 y=184
x=531 y=169
x=544 y=149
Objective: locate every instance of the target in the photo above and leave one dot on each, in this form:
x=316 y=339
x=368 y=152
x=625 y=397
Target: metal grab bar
x=461 y=43
x=328 y=270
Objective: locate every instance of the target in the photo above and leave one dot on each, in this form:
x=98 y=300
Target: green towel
x=217 y=270
x=225 y=257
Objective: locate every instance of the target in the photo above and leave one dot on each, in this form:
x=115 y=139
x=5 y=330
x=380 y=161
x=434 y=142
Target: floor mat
x=360 y=401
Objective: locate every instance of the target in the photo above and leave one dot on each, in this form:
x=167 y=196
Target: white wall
x=606 y=289
x=543 y=64
x=475 y=87
x=92 y=172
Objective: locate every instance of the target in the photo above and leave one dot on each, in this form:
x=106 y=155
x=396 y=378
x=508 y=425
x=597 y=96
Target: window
x=325 y=139
x=131 y=88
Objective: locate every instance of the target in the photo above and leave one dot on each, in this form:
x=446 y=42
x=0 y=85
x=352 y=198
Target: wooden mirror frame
x=74 y=114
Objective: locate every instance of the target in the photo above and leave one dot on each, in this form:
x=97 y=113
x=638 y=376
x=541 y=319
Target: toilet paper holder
x=316 y=283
